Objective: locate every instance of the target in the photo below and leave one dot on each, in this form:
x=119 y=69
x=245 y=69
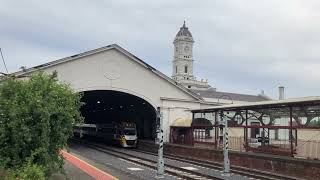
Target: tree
x=36 y=119
x=315 y=122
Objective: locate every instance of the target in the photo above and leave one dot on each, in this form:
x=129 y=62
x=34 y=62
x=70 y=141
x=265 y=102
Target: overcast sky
x=242 y=46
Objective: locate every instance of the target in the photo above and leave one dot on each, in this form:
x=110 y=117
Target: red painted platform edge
x=87 y=168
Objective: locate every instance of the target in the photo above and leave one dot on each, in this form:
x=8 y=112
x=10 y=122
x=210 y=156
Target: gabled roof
x=212 y=93
x=105 y=48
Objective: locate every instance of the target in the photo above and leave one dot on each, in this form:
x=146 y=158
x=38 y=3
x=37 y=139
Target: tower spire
x=182 y=64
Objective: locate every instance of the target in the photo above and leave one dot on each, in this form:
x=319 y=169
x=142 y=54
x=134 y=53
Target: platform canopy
x=285 y=114
x=305 y=101
x=180 y=122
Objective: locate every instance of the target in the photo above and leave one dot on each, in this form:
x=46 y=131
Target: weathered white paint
x=112 y=69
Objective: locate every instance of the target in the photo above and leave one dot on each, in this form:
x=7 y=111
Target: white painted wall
x=173 y=110
x=113 y=70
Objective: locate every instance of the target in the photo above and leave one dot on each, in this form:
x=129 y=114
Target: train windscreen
x=129 y=132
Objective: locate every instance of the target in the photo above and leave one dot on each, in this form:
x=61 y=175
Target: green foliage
x=315 y=122
x=36 y=119
x=27 y=172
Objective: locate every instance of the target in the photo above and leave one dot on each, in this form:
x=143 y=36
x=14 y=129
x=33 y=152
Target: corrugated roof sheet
x=212 y=93
x=312 y=100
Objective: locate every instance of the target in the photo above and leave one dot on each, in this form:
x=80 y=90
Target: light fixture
x=98 y=102
x=121 y=106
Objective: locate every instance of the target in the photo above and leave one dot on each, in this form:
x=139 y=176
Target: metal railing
x=307 y=149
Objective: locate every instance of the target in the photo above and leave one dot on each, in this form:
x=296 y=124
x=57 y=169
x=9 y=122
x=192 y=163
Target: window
x=189 y=86
x=186 y=69
x=129 y=132
x=176 y=69
x=255 y=132
x=276 y=134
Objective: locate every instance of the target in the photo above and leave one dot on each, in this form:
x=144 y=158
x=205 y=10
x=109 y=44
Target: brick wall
x=309 y=169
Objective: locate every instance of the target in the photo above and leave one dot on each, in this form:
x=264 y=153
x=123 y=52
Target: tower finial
x=184 y=23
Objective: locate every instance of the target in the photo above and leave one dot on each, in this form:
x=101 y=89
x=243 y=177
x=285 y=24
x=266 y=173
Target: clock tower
x=182 y=70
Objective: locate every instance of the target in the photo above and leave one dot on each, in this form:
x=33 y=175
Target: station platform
x=72 y=173
x=79 y=169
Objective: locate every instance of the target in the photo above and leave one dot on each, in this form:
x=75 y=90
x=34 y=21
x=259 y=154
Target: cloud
x=25 y=53
x=241 y=46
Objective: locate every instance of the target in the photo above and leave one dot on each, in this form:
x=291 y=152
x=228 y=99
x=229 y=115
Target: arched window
x=185 y=69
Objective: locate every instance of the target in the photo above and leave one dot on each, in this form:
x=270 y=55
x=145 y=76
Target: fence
x=305 y=149
x=236 y=144
x=308 y=149
x=200 y=139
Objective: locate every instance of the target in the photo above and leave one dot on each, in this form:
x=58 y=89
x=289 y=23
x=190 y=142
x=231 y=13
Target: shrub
x=28 y=172
x=36 y=119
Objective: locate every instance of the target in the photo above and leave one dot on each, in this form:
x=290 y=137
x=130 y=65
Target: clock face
x=186 y=48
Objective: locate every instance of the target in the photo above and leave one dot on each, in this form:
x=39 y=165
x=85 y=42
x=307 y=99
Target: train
x=123 y=133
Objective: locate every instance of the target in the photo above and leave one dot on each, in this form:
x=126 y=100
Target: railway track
x=169 y=169
x=234 y=169
x=184 y=173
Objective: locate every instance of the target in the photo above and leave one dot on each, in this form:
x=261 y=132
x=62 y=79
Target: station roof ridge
x=101 y=49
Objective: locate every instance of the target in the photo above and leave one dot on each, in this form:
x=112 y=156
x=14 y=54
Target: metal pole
x=4 y=63
x=192 y=131
x=246 y=137
x=160 y=166
x=216 y=127
x=290 y=136
x=226 y=162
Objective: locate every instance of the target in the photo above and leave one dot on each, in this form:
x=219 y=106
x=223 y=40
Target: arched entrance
x=106 y=106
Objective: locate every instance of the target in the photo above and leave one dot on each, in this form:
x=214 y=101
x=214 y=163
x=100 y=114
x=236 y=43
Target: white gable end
x=113 y=70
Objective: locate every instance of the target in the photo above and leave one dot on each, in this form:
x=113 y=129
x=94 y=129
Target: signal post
x=160 y=165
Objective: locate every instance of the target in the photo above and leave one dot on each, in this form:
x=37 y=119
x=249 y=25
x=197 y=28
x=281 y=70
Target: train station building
x=119 y=86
